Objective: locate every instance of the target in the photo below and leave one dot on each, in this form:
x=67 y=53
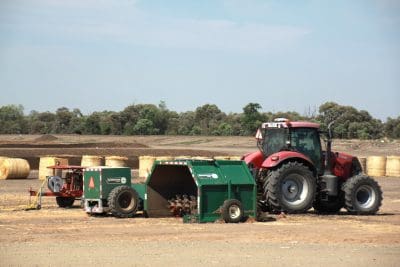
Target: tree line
x=149 y=119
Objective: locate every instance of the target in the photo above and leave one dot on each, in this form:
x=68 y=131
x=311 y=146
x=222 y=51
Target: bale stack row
x=146 y=162
x=86 y=161
x=381 y=166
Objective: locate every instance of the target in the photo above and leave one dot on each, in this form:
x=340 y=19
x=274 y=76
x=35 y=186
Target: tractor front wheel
x=123 y=201
x=290 y=188
x=363 y=195
x=65 y=202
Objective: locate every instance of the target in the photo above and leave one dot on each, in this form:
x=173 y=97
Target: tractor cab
x=283 y=135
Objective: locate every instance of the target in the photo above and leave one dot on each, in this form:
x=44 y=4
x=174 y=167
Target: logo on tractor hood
x=208 y=176
x=116 y=180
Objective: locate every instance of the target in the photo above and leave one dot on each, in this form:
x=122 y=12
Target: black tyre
x=232 y=211
x=363 y=195
x=65 y=202
x=123 y=201
x=290 y=188
x=332 y=205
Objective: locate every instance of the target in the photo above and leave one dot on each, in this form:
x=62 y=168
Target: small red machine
x=66 y=184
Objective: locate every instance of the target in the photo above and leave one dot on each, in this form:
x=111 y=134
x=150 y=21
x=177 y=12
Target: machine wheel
x=65 y=202
x=290 y=188
x=332 y=205
x=232 y=211
x=363 y=195
x=123 y=201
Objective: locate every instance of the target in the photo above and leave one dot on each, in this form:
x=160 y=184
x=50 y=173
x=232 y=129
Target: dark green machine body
x=220 y=188
x=101 y=182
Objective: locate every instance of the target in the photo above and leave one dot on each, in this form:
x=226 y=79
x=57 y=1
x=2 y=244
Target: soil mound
x=46 y=138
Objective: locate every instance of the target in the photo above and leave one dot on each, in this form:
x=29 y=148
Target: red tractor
x=293 y=172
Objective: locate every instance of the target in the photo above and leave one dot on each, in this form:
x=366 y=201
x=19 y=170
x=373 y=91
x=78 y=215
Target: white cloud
x=214 y=35
x=122 y=21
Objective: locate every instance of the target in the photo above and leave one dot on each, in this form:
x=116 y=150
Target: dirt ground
x=54 y=236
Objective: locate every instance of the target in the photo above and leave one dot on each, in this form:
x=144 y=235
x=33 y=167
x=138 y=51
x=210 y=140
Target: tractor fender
x=254 y=158
x=345 y=165
x=282 y=156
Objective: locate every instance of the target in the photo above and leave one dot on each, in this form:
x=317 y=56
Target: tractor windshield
x=307 y=142
x=274 y=140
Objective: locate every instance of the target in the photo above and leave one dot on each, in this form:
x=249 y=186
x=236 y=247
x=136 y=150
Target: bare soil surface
x=54 y=236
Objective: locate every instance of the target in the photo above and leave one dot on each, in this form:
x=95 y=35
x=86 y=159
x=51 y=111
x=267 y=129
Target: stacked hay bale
x=182 y=157
x=221 y=157
x=165 y=158
x=376 y=166
x=91 y=161
x=116 y=161
x=145 y=164
x=14 y=168
x=47 y=161
x=393 y=166
x=363 y=162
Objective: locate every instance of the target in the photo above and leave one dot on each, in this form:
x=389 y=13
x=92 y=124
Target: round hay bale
x=14 y=168
x=91 y=161
x=165 y=158
x=201 y=158
x=47 y=161
x=393 y=166
x=221 y=157
x=363 y=162
x=145 y=164
x=182 y=157
x=116 y=161
x=376 y=166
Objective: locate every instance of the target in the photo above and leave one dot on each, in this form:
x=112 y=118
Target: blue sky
x=286 y=55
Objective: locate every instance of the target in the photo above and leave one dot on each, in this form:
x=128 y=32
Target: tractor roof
x=285 y=123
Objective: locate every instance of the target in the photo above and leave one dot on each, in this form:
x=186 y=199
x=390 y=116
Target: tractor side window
x=306 y=141
x=275 y=141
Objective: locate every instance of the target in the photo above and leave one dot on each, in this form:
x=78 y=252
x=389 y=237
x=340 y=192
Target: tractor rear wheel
x=363 y=195
x=123 y=201
x=290 y=188
x=65 y=202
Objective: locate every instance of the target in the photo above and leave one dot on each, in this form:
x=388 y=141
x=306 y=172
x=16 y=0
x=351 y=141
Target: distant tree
x=12 y=120
x=349 y=122
x=252 y=118
x=144 y=127
x=392 y=127
x=186 y=122
x=145 y=119
x=224 y=129
x=207 y=118
x=41 y=122
x=92 y=124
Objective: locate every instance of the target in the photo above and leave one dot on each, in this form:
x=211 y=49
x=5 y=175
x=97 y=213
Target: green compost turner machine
x=197 y=190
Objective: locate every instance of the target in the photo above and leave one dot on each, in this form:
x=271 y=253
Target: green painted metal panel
x=91 y=184
x=113 y=177
x=99 y=181
x=140 y=189
x=212 y=182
